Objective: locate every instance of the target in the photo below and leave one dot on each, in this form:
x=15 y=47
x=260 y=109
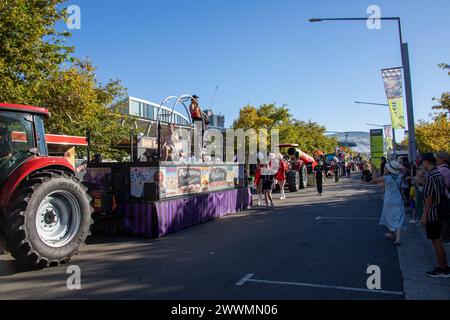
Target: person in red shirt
x=281 y=175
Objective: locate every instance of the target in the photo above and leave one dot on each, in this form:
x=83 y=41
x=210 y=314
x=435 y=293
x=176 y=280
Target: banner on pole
x=388 y=136
x=376 y=146
x=393 y=84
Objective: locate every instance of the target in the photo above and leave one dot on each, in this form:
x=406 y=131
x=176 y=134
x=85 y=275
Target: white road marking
x=248 y=278
x=344 y=218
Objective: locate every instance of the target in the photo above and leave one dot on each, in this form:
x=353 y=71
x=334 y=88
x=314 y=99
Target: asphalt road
x=308 y=247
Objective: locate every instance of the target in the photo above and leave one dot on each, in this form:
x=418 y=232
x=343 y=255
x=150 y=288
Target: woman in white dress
x=393 y=216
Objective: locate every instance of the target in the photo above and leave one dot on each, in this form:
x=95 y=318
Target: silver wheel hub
x=58 y=218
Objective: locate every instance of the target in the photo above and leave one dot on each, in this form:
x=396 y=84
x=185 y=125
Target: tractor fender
x=26 y=169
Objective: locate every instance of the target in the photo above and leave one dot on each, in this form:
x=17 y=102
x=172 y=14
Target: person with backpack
x=435 y=213
x=393 y=215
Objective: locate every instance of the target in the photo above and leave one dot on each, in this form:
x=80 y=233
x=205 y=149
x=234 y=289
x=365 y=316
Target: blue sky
x=261 y=51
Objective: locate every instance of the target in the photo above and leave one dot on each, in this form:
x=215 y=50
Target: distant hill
x=357 y=140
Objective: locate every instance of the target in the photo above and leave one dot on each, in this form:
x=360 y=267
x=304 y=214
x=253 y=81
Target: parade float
x=154 y=197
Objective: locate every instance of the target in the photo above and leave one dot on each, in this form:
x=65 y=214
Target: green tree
x=37 y=67
x=433 y=136
x=309 y=135
x=444 y=101
x=31 y=50
x=77 y=102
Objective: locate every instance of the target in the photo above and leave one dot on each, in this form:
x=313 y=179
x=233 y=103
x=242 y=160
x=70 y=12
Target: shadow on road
x=205 y=261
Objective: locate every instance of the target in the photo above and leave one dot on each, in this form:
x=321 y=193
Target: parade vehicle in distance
x=332 y=167
x=300 y=165
x=45 y=212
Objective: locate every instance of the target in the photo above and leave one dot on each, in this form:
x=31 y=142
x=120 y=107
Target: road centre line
x=248 y=278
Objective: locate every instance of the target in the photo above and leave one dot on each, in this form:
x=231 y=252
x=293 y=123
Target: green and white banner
x=376 y=146
x=393 y=84
x=388 y=136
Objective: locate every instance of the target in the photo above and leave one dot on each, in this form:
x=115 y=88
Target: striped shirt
x=445 y=171
x=435 y=188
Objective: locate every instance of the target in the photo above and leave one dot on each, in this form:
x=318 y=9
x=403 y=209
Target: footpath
x=416 y=256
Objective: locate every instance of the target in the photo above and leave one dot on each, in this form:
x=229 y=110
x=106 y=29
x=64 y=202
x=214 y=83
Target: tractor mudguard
x=28 y=167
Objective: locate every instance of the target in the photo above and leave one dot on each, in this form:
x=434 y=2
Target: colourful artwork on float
x=232 y=175
x=205 y=179
x=138 y=177
x=171 y=182
x=195 y=180
x=98 y=178
x=160 y=177
x=183 y=180
x=218 y=178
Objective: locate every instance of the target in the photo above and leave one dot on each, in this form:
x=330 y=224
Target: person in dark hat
x=434 y=193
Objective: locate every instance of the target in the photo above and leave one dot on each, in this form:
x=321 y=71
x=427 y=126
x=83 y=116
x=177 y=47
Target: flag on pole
x=388 y=135
x=376 y=146
x=393 y=84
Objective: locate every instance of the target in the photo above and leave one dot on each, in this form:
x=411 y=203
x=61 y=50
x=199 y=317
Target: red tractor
x=300 y=164
x=45 y=212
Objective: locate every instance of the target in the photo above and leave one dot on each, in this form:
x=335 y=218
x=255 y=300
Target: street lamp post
x=412 y=149
x=394 y=142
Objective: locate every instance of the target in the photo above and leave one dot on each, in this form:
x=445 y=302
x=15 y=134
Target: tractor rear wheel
x=303 y=177
x=47 y=220
x=292 y=180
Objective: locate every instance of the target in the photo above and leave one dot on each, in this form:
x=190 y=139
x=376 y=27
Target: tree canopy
x=309 y=135
x=433 y=136
x=444 y=101
x=37 y=67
